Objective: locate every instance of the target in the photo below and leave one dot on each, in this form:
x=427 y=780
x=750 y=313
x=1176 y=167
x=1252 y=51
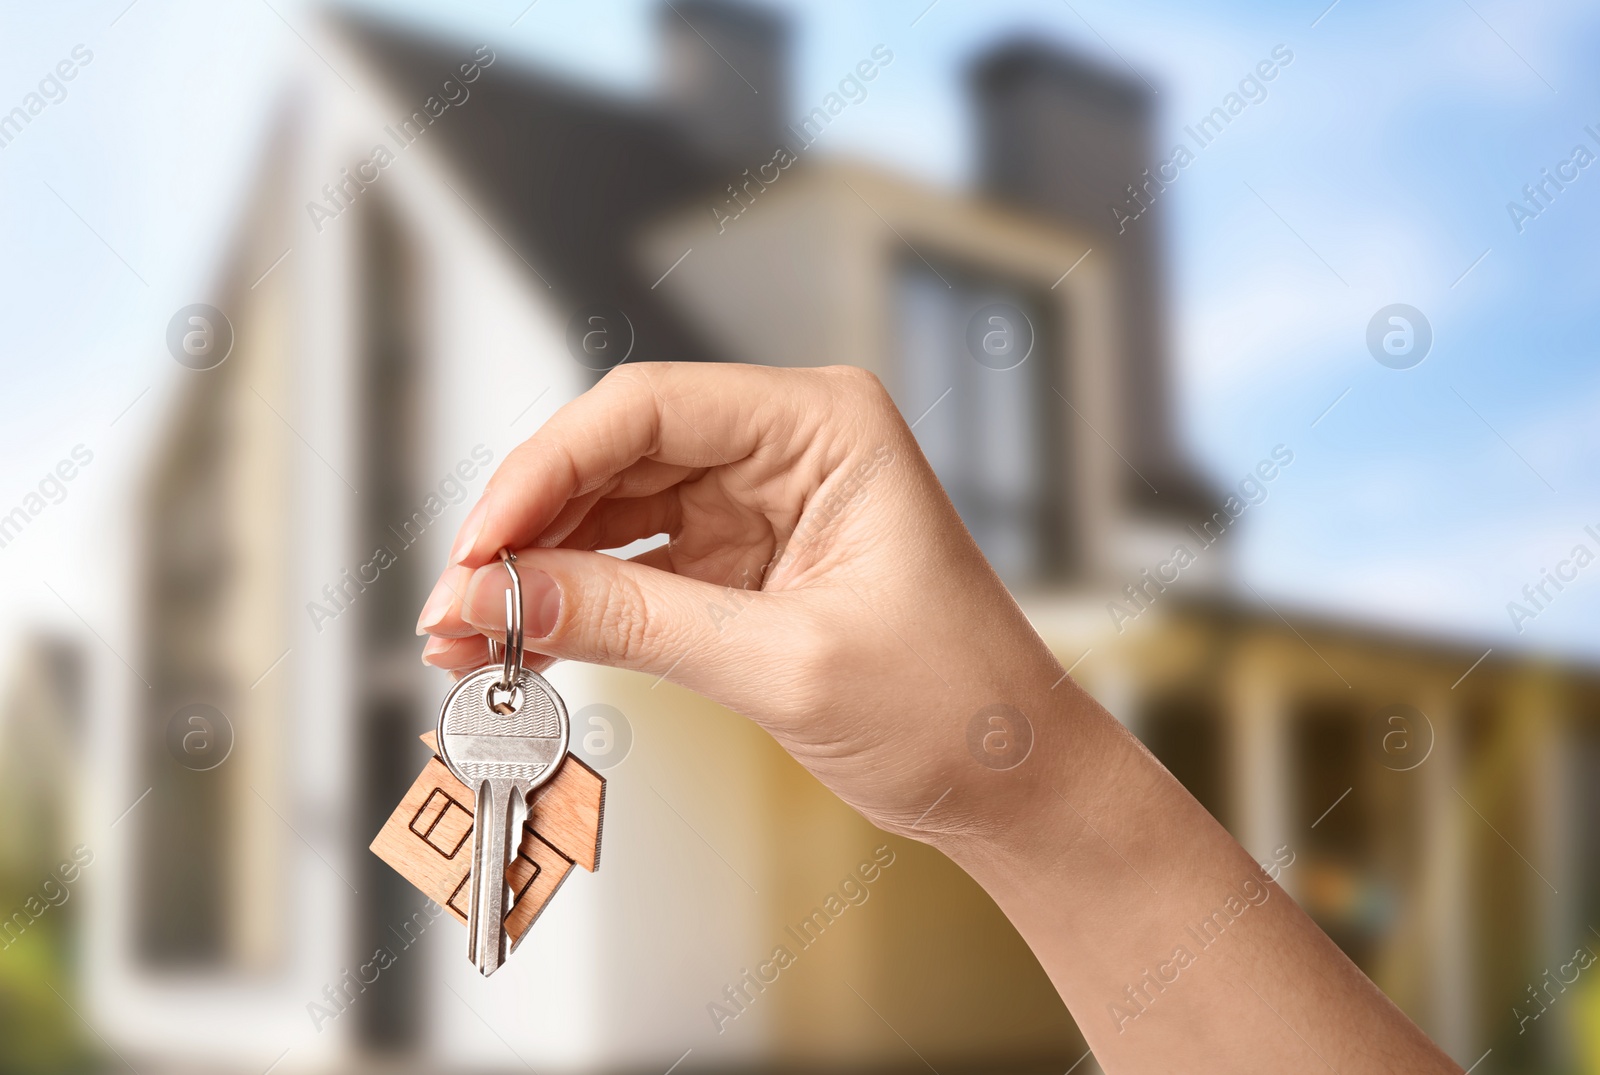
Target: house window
x=977 y=360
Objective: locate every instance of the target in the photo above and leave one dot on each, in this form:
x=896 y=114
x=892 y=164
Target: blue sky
x=1377 y=171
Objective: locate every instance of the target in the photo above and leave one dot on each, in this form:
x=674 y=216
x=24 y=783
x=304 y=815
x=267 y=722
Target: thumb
x=587 y=606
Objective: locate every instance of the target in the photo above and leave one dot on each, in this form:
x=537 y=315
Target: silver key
x=501 y=758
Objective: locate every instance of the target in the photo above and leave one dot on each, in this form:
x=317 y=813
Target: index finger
x=687 y=414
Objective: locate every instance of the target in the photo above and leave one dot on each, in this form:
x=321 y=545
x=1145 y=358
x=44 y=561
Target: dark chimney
x=1064 y=136
x=726 y=75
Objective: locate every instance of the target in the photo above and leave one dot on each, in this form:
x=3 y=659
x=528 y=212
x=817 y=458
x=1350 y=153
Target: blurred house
x=516 y=236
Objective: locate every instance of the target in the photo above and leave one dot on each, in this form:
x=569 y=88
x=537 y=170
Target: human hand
x=816 y=580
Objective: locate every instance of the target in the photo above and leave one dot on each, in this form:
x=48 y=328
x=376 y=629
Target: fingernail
x=541 y=604
x=544 y=603
x=468 y=537
x=491 y=616
x=435 y=607
x=432 y=649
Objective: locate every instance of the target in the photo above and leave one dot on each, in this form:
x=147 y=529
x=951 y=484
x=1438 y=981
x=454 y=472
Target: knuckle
x=816 y=653
x=860 y=389
x=811 y=658
x=856 y=379
x=632 y=378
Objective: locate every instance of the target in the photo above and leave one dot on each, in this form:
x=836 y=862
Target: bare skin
x=873 y=631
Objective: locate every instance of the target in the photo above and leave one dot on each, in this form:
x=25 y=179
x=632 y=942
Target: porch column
x=1260 y=761
x=1447 y=887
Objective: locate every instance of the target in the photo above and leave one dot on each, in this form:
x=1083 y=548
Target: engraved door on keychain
x=502 y=735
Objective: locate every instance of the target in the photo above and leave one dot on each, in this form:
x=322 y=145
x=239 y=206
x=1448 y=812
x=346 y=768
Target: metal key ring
x=511 y=650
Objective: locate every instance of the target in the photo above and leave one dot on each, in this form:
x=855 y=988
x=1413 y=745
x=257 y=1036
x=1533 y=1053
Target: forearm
x=1171 y=947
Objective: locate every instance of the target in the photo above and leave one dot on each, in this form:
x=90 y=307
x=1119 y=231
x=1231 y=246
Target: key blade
x=491 y=849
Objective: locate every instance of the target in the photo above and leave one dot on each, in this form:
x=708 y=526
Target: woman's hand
x=816 y=580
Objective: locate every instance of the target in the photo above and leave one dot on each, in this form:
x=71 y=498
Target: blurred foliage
x=40 y=1033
